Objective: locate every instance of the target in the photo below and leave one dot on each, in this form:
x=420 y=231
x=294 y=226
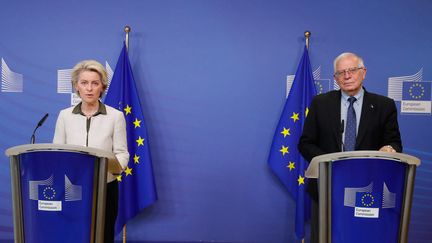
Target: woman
x=93 y=124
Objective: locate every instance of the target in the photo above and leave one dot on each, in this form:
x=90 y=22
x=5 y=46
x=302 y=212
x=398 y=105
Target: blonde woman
x=93 y=124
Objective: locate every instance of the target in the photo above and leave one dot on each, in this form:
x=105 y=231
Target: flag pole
x=127 y=29
x=124 y=234
x=307 y=35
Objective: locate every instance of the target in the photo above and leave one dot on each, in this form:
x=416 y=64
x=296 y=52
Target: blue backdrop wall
x=212 y=81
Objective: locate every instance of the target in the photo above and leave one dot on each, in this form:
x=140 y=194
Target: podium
x=59 y=192
x=364 y=196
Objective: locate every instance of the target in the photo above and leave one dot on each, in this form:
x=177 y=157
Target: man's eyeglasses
x=348 y=71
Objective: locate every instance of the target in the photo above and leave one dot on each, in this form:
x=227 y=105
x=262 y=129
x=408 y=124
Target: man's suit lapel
x=368 y=109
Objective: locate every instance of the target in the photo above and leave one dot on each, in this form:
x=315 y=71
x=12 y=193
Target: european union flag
x=323 y=85
x=50 y=192
x=284 y=158
x=368 y=200
x=137 y=188
x=416 y=91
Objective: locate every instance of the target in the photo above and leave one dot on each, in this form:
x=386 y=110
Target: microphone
x=342 y=129
x=32 y=140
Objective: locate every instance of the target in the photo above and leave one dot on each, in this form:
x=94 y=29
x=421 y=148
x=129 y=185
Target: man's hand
x=387 y=148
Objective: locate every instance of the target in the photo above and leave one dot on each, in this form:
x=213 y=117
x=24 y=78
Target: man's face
x=349 y=76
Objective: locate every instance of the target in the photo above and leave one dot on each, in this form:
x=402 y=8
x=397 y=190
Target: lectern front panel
x=56 y=191
x=367 y=199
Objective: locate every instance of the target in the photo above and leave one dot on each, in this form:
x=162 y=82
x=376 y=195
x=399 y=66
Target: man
x=347 y=119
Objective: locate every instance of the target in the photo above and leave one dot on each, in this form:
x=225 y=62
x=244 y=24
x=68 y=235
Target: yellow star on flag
x=295 y=116
x=128 y=109
x=140 y=141
x=286 y=132
x=307 y=111
x=119 y=178
x=300 y=180
x=284 y=150
x=136 y=159
x=128 y=171
x=291 y=165
x=137 y=123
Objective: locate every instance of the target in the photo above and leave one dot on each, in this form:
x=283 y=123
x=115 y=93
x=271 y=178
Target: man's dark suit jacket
x=322 y=132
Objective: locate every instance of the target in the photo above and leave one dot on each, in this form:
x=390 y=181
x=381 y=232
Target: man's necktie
x=351 y=126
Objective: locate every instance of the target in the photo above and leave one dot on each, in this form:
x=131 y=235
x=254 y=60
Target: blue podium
x=59 y=192
x=364 y=196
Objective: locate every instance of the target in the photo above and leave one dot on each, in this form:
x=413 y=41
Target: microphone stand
x=342 y=129
x=33 y=137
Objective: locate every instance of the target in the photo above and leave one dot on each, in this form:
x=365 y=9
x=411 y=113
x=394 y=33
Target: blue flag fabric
x=137 y=188
x=284 y=158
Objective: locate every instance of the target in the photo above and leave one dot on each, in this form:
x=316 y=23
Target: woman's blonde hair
x=93 y=66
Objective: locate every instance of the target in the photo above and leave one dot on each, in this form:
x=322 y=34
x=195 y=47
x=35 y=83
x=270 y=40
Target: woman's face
x=89 y=87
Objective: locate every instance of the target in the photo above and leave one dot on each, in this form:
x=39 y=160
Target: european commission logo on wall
x=413 y=93
x=64 y=86
x=322 y=85
x=10 y=81
x=367 y=202
x=50 y=196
